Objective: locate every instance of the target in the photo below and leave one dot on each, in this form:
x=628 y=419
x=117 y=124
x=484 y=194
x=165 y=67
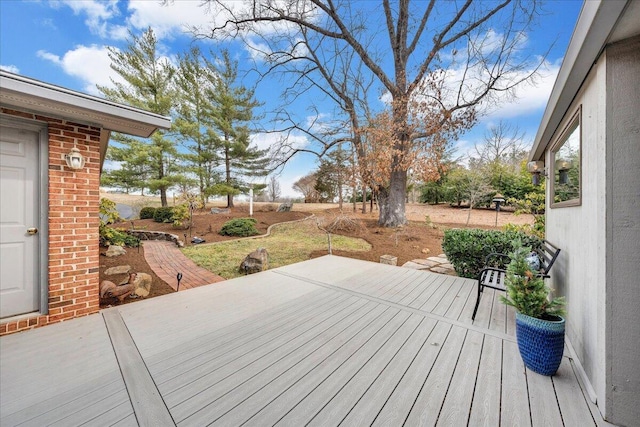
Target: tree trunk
x=364 y=199
x=227 y=166
x=163 y=197
x=391 y=201
x=353 y=195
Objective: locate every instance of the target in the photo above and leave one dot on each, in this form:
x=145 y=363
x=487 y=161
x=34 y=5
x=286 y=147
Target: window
x=565 y=161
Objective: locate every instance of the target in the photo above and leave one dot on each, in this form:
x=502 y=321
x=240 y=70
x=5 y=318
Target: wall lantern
x=563 y=167
x=536 y=168
x=74 y=159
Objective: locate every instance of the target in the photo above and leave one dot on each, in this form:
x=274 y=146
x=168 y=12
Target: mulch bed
x=205 y=226
x=414 y=240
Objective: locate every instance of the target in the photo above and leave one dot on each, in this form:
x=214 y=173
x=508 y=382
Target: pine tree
x=194 y=121
x=232 y=115
x=149 y=86
x=526 y=291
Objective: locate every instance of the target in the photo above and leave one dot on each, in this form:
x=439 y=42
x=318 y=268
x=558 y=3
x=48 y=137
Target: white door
x=19 y=218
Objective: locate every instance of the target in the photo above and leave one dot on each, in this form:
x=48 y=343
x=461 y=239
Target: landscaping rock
x=142 y=284
x=121 y=269
x=115 y=250
x=388 y=259
x=255 y=262
x=415 y=265
x=285 y=207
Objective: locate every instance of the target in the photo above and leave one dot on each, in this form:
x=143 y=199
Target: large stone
x=255 y=262
x=285 y=207
x=388 y=259
x=142 y=284
x=219 y=210
x=121 y=269
x=414 y=265
x=115 y=250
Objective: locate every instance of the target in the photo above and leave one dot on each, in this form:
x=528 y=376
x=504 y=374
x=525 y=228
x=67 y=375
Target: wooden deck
x=331 y=341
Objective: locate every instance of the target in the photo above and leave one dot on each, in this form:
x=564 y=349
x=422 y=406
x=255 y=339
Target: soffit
x=23 y=93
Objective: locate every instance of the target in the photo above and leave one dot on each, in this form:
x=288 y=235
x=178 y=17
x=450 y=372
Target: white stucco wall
x=579 y=231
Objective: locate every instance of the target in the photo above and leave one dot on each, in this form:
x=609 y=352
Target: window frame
x=573 y=124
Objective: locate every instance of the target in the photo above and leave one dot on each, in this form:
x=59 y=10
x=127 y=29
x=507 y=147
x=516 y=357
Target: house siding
x=623 y=232
x=73 y=241
x=580 y=233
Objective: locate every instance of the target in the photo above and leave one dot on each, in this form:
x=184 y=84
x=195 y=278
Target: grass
x=288 y=244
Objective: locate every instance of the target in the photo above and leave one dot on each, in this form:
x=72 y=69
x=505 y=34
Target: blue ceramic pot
x=541 y=342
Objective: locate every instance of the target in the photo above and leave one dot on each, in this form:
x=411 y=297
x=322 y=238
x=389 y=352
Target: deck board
x=543 y=401
x=485 y=408
x=252 y=396
x=34 y=386
x=242 y=342
x=573 y=404
x=281 y=359
x=341 y=403
x=285 y=401
x=331 y=341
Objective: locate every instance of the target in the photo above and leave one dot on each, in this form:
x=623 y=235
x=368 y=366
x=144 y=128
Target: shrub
x=163 y=214
x=108 y=212
x=180 y=215
x=117 y=236
x=241 y=227
x=467 y=249
x=113 y=236
x=147 y=212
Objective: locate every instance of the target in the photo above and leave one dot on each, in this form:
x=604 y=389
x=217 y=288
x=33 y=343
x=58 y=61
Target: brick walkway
x=166 y=260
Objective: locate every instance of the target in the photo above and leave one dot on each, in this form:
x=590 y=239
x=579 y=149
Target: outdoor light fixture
x=535 y=168
x=563 y=167
x=74 y=159
x=497 y=199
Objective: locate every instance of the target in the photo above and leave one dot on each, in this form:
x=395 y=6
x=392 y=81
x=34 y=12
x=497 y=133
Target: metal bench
x=493 y=277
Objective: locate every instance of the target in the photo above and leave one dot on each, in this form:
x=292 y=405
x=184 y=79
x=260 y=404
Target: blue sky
x=64 y=42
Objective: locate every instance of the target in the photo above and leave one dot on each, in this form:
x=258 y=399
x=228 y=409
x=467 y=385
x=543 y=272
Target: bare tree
x=503 y=143
x=478 y=186
x=307 y=186
x=446 y=56
x=273 y=189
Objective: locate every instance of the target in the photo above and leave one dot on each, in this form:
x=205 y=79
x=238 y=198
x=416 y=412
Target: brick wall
x=73 y=251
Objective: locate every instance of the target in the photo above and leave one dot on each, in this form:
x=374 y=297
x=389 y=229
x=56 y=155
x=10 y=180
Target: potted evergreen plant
x=539 y=322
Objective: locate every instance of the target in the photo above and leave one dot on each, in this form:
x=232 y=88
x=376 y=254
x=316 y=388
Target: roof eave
x=32 y=95
x=595 y=24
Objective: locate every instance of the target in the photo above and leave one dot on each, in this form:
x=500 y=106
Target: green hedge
x=147 y=212
x=241 y=227
x=467 y=249
x=163 y=214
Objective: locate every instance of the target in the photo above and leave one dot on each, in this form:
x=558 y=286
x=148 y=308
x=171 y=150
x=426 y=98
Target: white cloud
x=91 y=64
x=529 y=96
x=97 y=12
x=166 y=21
x=10 y=68
x=272 y=140
x=118 y=32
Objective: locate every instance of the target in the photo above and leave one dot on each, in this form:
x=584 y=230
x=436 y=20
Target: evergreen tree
x=133 y=173
x=149 y=86
x=194 y=121
x=232 y=114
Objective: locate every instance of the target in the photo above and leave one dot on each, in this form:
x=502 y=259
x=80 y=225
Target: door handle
x=32 y=230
